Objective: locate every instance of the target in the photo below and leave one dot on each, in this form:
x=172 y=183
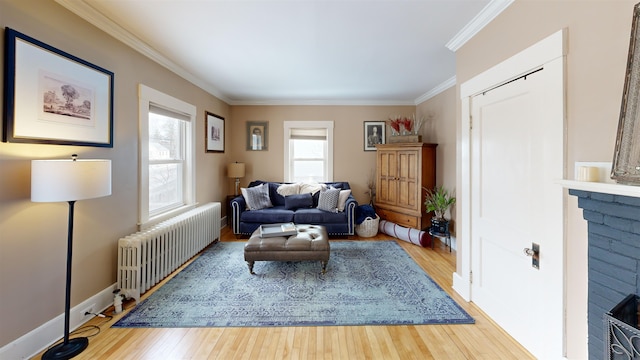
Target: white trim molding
x=436 y=90
x=484 y=17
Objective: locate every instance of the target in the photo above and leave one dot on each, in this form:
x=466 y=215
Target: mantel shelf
x=600 y=187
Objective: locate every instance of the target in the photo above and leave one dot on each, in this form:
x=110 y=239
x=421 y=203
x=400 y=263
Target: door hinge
x=470 y=277
x=470 y=123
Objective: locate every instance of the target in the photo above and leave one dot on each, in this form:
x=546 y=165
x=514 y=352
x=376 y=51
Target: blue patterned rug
x=367 y=283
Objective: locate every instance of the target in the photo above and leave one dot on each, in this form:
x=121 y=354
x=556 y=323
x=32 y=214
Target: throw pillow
x=257 y=197
x=288 y=189
x=311 y=188
x=298 y=201
x=328 y=200
x=342 y=199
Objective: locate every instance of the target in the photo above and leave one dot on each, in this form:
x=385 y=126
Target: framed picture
x=257 y=135
x=626 y=158
x=374 y=133
x=53 y=97
x=214 y=132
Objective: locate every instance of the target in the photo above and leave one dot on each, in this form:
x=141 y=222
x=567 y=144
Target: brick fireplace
x=614 y=254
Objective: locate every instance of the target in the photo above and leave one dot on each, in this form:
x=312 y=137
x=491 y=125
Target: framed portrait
x=374 y=133
x=214 y=132
x=53 y=97
x=257 y=135
x=626 y=159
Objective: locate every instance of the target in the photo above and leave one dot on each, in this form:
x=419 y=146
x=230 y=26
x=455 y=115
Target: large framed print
x=52 y=97
x=214 y=132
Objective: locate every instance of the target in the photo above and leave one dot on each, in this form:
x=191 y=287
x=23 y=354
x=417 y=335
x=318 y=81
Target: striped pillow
x=328 y=200
x=257 y=197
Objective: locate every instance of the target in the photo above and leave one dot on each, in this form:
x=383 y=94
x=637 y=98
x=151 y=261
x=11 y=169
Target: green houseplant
x=438 y=201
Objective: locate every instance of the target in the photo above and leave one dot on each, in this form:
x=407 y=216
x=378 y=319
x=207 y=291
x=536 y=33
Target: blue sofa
x=245 y=221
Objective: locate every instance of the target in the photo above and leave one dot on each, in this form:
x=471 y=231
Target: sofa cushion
x=288 y=189
x=328 y=200
x=276 y=214
x=257 y=197
x=316 y=216
x=276 y=199
x=298 y=201
x=311 y=188
x=342 y=199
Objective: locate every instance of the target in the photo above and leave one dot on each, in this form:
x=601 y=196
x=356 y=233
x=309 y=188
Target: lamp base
x=66 y=351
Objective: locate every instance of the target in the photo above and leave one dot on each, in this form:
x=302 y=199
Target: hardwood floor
x=482 y=340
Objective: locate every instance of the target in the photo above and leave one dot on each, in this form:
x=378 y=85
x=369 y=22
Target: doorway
x=515 y=144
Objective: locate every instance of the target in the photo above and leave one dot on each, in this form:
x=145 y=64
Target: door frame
x=550 y=48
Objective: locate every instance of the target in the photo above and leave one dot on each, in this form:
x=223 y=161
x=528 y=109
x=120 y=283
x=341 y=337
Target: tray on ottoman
x=272 y=230
x=310 y=242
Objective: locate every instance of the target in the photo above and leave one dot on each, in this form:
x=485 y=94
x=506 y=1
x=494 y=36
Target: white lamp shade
x=69 y=180
x=235 y=170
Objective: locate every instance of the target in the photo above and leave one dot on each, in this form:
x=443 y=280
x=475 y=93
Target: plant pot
x=439 y=226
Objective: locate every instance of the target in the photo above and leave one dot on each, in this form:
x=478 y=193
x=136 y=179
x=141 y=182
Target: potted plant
x=438 y=201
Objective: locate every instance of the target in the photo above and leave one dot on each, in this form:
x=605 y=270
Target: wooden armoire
x=403 y=170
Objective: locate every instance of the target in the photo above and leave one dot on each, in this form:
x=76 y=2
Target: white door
x=517 y=154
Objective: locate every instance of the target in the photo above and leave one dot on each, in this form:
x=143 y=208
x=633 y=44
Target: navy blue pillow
x=298 y=201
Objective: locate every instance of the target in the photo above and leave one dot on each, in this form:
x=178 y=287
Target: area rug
x=367 y=283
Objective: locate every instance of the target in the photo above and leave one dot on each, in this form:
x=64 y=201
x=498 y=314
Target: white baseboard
x=50 y=332
x=462 y=286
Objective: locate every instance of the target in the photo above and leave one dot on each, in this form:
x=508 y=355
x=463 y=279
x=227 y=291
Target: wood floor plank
x=482 y=340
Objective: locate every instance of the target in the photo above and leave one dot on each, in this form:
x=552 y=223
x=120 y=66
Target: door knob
x=534 y=252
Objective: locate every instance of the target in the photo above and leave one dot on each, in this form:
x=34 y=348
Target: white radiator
x=148 y=256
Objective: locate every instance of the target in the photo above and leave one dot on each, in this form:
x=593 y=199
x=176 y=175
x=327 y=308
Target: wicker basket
x=369 y=227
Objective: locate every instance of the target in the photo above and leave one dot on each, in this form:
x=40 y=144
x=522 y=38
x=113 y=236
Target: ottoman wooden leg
x=250 y=264
x=324 y=266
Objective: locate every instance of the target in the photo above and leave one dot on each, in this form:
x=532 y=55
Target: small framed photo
x=374 y=133
x=53 y=97
x=257 y=135
x=214 y=132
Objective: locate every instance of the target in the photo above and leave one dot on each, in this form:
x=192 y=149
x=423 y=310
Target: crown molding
x=102 y=22
x=436 y=90
x=482 y=19
x=321 y=103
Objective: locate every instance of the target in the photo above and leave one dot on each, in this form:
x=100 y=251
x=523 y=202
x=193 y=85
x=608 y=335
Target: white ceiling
x=300 y=52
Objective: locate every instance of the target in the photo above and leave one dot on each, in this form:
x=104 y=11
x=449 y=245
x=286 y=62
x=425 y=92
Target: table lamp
x=69 y=180
x=236 y=170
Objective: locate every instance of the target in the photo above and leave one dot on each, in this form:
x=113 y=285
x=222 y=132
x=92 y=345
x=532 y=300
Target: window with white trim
x=167 y=171
x=308 y=151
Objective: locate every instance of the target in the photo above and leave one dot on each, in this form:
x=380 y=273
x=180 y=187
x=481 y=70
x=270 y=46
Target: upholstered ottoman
x=311 y=243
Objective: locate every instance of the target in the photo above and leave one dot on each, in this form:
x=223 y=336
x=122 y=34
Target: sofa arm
x=350 y=208
x=238 y=206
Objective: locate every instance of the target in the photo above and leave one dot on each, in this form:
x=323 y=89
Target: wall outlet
x=91 y=309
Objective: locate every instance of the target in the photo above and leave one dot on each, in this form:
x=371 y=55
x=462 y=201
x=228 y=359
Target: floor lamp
x=69 y=180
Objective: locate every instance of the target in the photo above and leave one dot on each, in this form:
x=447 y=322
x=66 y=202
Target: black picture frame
x=214 y=133
x=257 y=135
x=53 y=97
x=374 y=133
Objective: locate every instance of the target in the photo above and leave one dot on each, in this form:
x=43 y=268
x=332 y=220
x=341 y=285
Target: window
x=166 y=156
x=308 y=151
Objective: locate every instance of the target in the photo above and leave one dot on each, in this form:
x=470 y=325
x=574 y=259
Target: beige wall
x=351 y=162
x=33 y=235
x=598 y=44
x=441 y=112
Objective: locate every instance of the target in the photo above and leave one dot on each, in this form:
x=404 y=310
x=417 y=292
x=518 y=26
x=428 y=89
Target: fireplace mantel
x=600 y=187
